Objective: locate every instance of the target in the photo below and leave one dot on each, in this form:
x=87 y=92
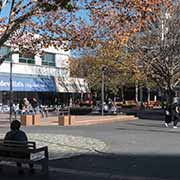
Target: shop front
x=26 y=86
x=48 y=90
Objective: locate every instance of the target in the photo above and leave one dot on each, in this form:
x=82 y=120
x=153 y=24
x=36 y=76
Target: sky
x=82 y=14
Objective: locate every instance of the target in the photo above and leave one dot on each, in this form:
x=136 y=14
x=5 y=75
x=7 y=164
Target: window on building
x=48 y=59
x=4 y=51
x=26 y=58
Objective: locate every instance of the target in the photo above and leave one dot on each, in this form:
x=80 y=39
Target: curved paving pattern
x=62 y=146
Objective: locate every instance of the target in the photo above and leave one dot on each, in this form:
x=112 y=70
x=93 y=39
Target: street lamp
x=103 y=69
x=10 y=93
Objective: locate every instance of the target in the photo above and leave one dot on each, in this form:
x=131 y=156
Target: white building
x=46 y=77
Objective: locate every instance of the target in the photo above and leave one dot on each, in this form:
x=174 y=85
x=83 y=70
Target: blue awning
x=27 y=83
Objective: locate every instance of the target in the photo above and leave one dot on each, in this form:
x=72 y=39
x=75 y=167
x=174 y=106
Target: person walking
x=175 y=113
x=168 y=115
x=35 y=105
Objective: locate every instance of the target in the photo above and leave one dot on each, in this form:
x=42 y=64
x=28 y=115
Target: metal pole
x=141 y=96
x=136 y=91
x=149 y=94
x=102 y=93
x=10 y=94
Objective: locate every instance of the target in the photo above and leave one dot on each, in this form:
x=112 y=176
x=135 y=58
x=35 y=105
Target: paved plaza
x=138 y=149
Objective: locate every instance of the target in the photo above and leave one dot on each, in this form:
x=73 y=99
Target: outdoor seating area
x=26 y=153
x=89 y=90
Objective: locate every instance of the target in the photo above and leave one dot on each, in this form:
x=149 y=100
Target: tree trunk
x=162 y=98
x=169 y=96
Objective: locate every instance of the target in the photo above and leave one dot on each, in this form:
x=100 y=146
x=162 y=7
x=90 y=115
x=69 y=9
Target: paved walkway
x=129 y=150
x=63 y=146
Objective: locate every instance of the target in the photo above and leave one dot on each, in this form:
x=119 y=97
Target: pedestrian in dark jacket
x=175 y=114
x=35 y=105
x=15 y=134
x=168 y=115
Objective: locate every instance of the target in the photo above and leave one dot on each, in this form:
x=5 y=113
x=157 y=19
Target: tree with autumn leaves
x=33 y=24
x=121 y=70
x=113 y=24
x=149 y=30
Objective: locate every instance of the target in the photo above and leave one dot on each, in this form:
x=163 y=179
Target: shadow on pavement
x=166 y=130
x=126 y=165
x=11 y=173
x=146 y=125
x=154 y=114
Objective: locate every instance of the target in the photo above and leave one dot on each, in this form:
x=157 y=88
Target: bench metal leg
x=45 y=167
x=45 y=162
x=1 y=166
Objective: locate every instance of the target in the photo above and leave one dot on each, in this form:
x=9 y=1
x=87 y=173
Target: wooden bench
x=10 y=149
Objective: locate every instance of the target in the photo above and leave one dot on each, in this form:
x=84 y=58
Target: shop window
x=48 y=59
x=4 y=51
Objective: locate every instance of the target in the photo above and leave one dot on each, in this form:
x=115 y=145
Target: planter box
x=26 y=120
x=66 y=120
x=36 y=120
x=72 y=120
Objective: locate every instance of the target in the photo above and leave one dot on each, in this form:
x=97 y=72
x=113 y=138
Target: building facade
x=45 y=77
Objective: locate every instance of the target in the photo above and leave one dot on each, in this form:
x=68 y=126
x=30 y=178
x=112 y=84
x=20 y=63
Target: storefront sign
x=20 y=83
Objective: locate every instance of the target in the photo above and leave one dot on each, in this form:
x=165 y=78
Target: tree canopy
x=106 y=26
x=158 y=48
x=33 y=24
x=120 y=68
x=37 y=23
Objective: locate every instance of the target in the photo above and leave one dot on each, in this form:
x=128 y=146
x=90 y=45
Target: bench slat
x=29 y=144
x=17 y=149
x=12 y=159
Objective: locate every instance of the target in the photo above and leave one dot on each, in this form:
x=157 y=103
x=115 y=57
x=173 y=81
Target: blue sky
x=82 y=14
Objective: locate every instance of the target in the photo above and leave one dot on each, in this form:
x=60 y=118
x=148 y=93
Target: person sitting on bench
x=15 y=134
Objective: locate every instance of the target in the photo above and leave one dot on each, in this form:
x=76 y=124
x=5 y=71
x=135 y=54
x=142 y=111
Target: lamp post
x=136 y=91
x=103 y=69
x=10 y=93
